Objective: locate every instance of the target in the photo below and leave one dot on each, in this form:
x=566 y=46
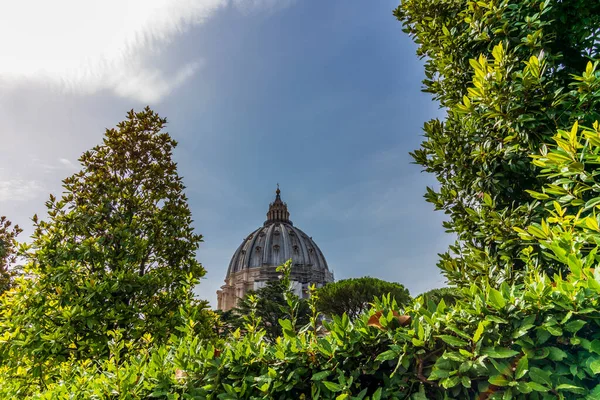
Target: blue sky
x=322 y=97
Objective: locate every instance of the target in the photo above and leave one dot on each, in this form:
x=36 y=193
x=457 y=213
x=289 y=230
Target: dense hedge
x=540 y=340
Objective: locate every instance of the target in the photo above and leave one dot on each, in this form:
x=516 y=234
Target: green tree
x=449 y=295
x=353 y=296
x=503 y=71
x=270 y=306
x=8 y=234
x=116 y=254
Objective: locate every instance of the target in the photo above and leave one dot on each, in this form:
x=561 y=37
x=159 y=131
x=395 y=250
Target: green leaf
x=523 y=387
x=452 y=340
x=522 y=367
x=571 y=388
x=537 y=387
x=556 y=354
x=478 y=332
x=498 y=380
x=362 y=394
x=466 y=381
x=264 y=387
x=450 y=382
x=540 y=376
x=496 y=299
x=595 y=366
x=487 y=199
x=377 y=394
x=498 y=352
x=554 y=330
x=286 y=324
x=575 y=326
x=319 y=376
x=537 y=196
x=387 y=355
x=334 y=387
x=592 y=203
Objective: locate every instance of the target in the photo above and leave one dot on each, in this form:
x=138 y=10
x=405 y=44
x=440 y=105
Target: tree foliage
x=8 y=234
x=353 y=296
x=503 y=71
x=448 y=295
x=270 y=306
x=116 y=254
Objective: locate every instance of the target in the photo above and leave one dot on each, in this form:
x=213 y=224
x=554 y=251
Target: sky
x=322 y=97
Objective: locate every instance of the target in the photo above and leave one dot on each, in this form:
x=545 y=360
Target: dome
x=274 y=244
x=255 y=261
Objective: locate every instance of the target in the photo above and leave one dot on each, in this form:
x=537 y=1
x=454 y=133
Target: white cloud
x=67 y=163
x=19 y=190
x=88 y=46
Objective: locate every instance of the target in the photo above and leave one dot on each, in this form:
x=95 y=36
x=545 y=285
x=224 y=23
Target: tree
x=8 y=234
x=449 y=295
x=503 y=71
x=116 y=254
x=269 y=305
x=353 y=296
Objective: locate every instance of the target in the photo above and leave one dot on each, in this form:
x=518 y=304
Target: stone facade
x=256 y=259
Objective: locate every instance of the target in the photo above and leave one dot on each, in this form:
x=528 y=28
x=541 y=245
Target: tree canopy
x=116 y=254
x=503 y=71
x=449 y=295
x=353 y=296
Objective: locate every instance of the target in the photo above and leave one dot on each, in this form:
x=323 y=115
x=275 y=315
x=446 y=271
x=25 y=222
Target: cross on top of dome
x=278 y=210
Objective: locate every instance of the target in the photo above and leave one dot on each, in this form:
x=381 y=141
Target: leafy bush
x=536 y=340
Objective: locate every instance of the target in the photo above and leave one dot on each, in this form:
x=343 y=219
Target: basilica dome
x=255 y=261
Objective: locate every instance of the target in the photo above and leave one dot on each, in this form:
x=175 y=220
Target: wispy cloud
x=67 y=163
x=85 y=47
x=19 y=190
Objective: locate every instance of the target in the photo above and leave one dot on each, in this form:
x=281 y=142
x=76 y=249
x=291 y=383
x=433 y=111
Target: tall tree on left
x=117 y=253
x=8 y=234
